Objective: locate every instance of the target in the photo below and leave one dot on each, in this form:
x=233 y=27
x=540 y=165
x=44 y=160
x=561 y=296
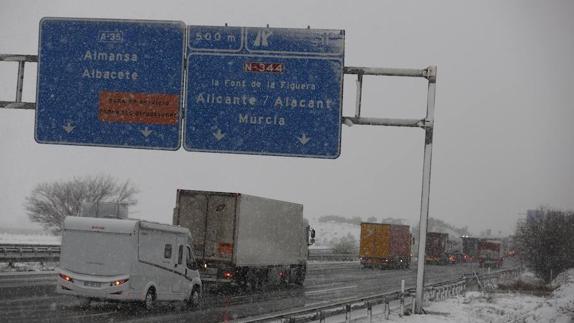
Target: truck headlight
x=118 y=282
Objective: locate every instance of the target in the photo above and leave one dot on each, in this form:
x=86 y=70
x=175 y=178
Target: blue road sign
x=115 y=83
x=268 y=91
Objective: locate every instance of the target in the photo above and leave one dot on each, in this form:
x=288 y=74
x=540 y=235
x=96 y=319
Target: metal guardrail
x=433 y=292
x=36 y=252
x=29 y=252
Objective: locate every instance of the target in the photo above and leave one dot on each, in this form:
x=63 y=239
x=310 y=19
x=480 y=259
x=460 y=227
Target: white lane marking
x=329 y=290
x=319 y=286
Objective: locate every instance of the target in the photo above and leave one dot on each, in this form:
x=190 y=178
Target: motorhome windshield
x=96 y=253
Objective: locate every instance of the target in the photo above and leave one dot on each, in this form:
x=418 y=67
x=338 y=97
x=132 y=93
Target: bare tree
x=50 y=203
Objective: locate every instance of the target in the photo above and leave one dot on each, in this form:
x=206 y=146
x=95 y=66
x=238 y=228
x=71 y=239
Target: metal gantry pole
x=428 y=125
x=425 y=194
x=20 y=81
x=21 y=60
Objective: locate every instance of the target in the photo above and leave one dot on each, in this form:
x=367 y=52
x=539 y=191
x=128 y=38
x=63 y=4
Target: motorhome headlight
x=66 y=278
x=118 y=282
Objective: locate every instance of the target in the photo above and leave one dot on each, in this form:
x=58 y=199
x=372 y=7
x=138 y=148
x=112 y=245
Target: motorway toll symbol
x=114 y=83
x=267 y=91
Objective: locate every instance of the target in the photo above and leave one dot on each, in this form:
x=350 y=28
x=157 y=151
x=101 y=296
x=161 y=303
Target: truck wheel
x=84 y=301
x=149 y=301
x=194 y=298
x=300 y=273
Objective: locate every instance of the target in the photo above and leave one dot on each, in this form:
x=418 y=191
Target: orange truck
x=385 y=245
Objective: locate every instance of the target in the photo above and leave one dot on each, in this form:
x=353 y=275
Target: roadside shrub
x=545 y=242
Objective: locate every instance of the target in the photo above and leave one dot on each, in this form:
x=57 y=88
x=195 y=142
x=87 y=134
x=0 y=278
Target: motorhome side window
x=189 y=258
x=180 y=255
x=167 y=251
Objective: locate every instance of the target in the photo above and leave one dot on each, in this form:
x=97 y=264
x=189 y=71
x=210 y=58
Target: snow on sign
x=265 y=91
x=115 y=83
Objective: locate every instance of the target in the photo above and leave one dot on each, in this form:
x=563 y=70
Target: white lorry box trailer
x=127 y=260
x=245 y=239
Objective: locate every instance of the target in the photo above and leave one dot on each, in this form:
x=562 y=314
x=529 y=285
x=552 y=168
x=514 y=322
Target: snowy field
x=16 y=238
x=22 y=238
x=498 y=307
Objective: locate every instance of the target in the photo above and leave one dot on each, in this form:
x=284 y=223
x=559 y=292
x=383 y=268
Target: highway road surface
x=31 y=298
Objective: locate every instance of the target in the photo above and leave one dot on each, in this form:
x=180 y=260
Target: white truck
x=243 y=239
x=127 y=260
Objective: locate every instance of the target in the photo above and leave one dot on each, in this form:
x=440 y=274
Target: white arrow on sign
x=218 y=135
x=146 y=132
x=68 y=127
x=304 y=139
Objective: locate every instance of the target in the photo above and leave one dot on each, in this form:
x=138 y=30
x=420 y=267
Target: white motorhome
x=127 y=260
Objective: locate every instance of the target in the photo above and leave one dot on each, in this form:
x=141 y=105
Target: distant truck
x=243 y=239
x=470 y=248
x=436 y=248
x=385 y=245
x=127 y=260
x=490 y=253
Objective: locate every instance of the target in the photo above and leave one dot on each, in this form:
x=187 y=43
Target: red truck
x=470 y=248
x=490 y=253
x=435 y=248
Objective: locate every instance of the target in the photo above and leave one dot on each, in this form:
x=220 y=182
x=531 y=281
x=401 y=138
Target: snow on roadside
x=44 y=239
x=501 y=307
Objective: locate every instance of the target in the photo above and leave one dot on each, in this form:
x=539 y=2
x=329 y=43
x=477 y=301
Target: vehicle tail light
x=227 y=274
x=118 y=282
x=66 y=278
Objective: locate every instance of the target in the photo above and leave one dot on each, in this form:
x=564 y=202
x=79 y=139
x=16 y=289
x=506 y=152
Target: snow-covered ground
x=329 y=232
x=15 y=238
x=23 y=238
x=499 y=307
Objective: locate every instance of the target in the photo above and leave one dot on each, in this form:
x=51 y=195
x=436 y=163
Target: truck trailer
x=490 y=253
x=127 y=260
x=436 y=248
x=245 y=240
x=470 y=248
x=385 y=245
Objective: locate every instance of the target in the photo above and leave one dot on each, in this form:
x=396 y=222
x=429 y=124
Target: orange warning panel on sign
x=146 y=108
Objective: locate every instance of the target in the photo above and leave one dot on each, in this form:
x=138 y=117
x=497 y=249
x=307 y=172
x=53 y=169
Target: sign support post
x=428 y=125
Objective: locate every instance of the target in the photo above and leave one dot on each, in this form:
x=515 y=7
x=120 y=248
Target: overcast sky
x=504 y=111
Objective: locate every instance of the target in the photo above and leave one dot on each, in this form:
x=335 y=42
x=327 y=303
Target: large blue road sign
x=268 y=91
x=114 y=83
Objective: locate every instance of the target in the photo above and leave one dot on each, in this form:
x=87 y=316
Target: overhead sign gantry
x=209 y=105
